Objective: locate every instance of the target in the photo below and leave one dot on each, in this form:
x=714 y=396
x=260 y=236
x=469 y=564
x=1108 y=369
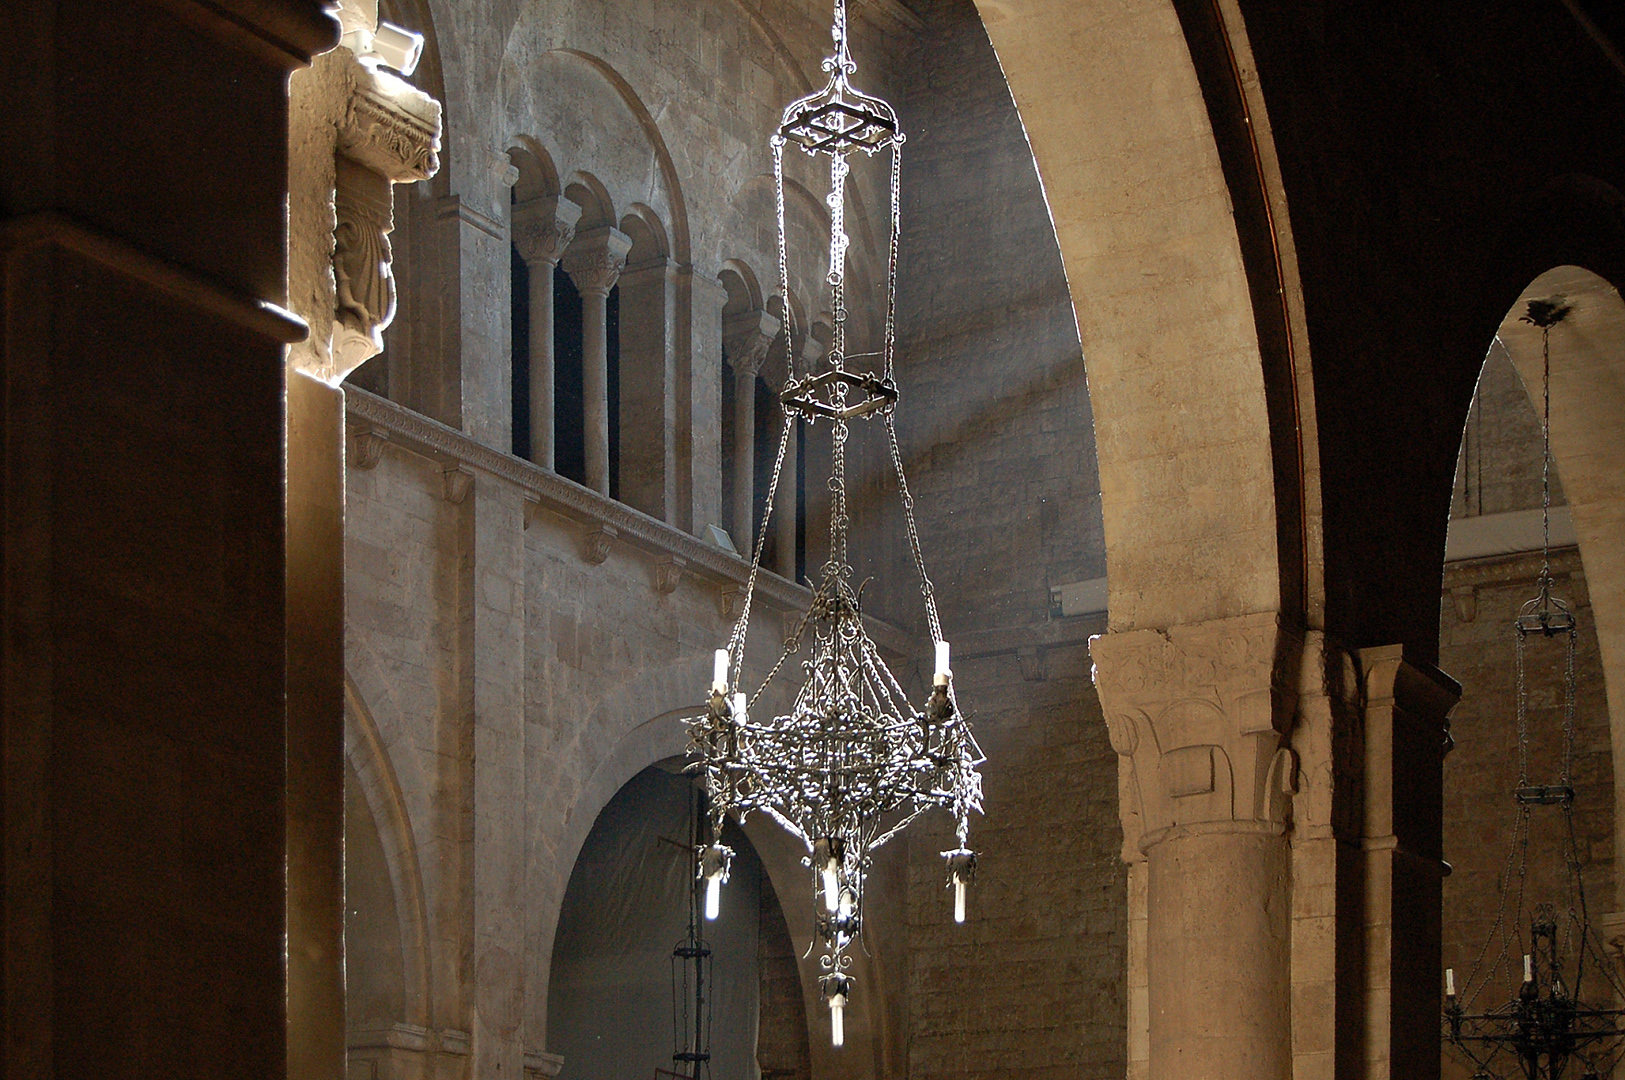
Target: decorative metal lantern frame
x=852 y=762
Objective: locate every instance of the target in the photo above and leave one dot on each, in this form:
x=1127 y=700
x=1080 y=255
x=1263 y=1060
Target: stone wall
x=520 y=647
x=999 y=441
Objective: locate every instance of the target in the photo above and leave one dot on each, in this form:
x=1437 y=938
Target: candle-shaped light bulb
x=837 y=1025
x=832 y=886
x=713 y=896
x=1449 y=982
x=845 y=907
x=959 y=899
x=741 y=703
x=943 y=671
x=719 y=673
x=1528 y=968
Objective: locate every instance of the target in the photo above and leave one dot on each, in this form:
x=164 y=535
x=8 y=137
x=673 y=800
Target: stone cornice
x=553 y=493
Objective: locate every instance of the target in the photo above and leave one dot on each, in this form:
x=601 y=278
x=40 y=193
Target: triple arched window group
x=593 y=325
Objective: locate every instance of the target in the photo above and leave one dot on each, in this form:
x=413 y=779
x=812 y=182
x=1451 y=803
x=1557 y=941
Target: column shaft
x=785 y=508
x=1217 y=956
x=595 y=387
x=541 y=362
x=744 y=460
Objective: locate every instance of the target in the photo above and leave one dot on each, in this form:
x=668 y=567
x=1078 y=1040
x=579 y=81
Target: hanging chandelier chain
x=890 y=342
x=850 y=762
x=736 y=640
x=1545 y=1026
x=1546 y=454
x=933 y=622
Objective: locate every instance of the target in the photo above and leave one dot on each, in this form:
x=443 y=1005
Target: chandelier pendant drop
x=1545 y=1027
x=853 y=762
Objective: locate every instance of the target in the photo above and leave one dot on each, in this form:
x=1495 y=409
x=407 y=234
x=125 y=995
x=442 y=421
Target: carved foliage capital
x=746 y=338
x=596 y=258
x=543 y=228
x=1199 y=716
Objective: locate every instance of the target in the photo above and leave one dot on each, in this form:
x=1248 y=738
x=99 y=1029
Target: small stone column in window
x=594 y=262
x=542 y=230
x=746 y=338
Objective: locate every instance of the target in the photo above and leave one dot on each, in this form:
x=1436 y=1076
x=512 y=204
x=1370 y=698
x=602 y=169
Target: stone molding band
x=448 y=447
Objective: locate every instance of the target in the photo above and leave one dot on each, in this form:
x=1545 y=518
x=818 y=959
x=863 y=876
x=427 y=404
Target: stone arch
x=661 y=738
x=743 y=289
x=648 y=235
x=1588 y=450
x=368 y=756
x=565 y=94
x=588 y=192
x=1183 y=418
x=538 y=177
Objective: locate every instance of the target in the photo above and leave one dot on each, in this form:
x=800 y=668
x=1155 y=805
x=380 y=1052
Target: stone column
x=355 y=130
x=700 y=399
x=1198 y=716
x=746 y=338
x=1406 y=704
x=787 y=508
x=594 y=262
x=542 y=230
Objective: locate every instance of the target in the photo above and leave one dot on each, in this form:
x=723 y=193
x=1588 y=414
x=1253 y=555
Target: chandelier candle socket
x=714 y=863
x=852 y=762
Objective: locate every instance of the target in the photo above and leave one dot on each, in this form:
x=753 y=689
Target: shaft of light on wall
x=713 y=896
x=719 y=673
x=943 y=670
x=959 y=899
x=837 y=1020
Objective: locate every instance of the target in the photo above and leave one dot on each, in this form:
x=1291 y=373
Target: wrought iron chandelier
x=1545 y=1027
x=853 y=762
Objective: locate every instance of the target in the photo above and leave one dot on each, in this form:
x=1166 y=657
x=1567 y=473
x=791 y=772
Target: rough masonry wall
x=999 y=441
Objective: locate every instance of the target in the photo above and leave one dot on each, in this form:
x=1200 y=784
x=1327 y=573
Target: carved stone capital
x=367 y=447
x=389 y=126
x=729 y=600
x=599 y=540
x=595 y=259
x=364 y=286
x=1613 y=937
x=1198 y=716
x=668 y=572
x=746 y=338
x=543 y=228
x=457 y=483
x=389 y=133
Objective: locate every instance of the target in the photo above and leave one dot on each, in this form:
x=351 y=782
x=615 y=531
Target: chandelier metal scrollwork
x=1545 y=1027
x=852 y=762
